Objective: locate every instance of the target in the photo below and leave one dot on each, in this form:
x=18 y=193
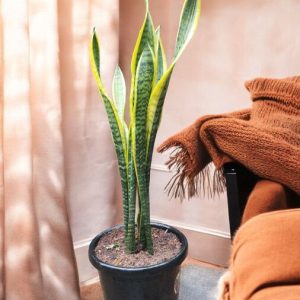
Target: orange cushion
x=265 y=260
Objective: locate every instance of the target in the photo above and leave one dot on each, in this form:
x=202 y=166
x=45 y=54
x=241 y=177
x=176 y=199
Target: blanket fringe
x=188 y=183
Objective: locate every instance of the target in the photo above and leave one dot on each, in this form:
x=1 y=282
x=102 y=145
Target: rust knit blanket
x=265 y=139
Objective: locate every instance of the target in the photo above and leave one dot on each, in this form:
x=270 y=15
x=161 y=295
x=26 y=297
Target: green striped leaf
x=116 y=124
x=188 y=23
x=119 y=92
x=157 y=39
x=95 y=65
x=160 y=93
x=130 y=237
x=144 y=81
x=146 y=37
x=95 y=54
x=161 y=61
x=143 y=87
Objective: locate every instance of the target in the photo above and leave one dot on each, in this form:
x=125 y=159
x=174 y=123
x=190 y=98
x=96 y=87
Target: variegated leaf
x=119 y=92
x=143 y=87
x=116 y=125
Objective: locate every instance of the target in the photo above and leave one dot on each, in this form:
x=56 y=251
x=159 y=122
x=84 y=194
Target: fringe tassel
x=190 y=182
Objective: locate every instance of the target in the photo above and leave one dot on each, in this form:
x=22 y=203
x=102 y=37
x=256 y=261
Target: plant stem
x=146 y=237
x=147 y=226
x=125 y=206
x=130 y=233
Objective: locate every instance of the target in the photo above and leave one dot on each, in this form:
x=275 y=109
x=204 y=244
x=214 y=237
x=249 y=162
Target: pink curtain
x=49 y=111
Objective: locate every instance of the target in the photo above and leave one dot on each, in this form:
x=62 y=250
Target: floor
x=93 y=291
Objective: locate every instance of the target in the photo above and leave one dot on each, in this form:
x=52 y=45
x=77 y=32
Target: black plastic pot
x=156 y=282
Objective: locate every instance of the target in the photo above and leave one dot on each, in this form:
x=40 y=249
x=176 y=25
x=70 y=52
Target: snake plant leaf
x=95 y=51
x=112 y=112
x=161 y=61
x=119 y=92
x=187 y=27
x=188 y=23
x=143 y=87
x=157 y=35
x=130 y=238
x=95 y=61
x=146 y=37
x=116 y=125
x=147 y=4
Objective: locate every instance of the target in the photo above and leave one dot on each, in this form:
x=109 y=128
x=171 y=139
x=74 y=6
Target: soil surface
x=111 y=249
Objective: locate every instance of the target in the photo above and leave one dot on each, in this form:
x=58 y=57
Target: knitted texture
x=265 y=139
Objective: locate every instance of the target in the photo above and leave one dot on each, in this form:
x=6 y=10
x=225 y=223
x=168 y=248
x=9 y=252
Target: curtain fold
x=21 y=247
x=37 y=257
x=58 y=170
x=1 y=160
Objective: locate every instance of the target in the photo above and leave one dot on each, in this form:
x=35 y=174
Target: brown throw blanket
x=265 y=139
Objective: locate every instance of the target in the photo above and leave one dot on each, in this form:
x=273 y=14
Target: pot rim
x=176 y=260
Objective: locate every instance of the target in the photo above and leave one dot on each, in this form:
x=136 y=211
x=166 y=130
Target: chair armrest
x=239 y=182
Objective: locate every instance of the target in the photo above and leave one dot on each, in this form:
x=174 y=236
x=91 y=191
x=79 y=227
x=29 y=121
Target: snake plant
x=150 y=77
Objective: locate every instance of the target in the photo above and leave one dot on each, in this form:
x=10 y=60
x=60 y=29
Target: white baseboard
x=85 y=269
x=205 y=244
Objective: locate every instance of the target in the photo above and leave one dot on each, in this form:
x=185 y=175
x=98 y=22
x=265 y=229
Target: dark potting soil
x=111 y=249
